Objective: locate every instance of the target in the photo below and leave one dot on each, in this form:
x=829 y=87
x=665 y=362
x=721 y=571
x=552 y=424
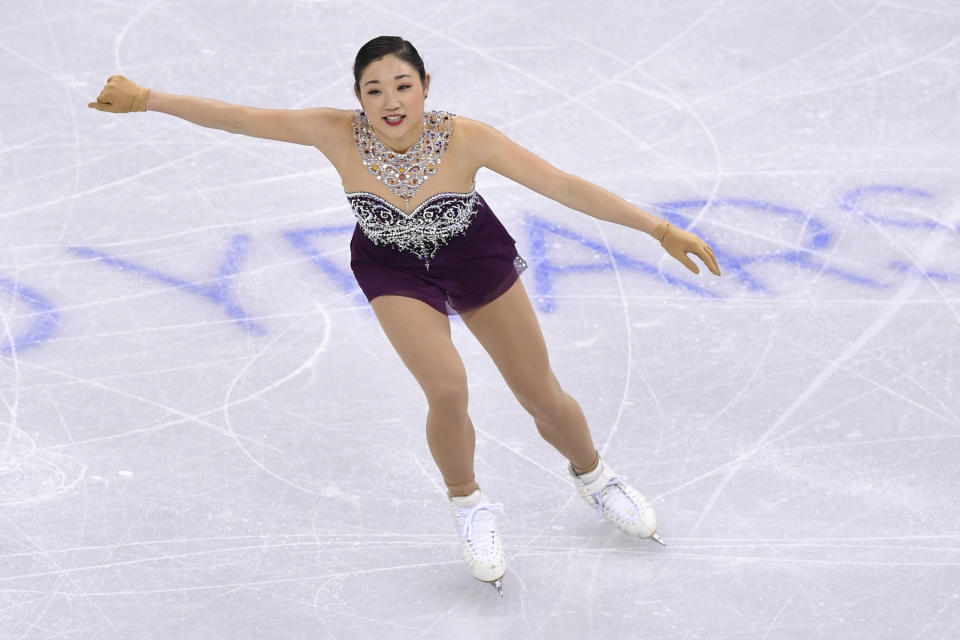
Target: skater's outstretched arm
x=511 y=160
x=315 y=127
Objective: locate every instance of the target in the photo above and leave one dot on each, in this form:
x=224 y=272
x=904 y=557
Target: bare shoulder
x=474 y=139
x=337 y=137
x=334 y=117
x=332 y=126
x=488 y=147
x=471 y=130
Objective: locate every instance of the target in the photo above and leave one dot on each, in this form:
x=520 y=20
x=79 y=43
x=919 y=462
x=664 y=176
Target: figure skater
x=426 y=245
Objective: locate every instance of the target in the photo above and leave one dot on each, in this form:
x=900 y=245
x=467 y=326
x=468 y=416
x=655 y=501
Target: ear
x=426 y=83
x=356 y=92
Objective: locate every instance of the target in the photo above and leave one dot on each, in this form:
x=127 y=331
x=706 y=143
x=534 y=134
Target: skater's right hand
x=121 y=95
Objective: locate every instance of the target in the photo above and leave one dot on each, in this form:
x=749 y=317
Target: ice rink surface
x=205 y=433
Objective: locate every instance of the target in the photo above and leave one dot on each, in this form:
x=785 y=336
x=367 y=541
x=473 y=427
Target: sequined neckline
x=455 y=194
x=404 y=173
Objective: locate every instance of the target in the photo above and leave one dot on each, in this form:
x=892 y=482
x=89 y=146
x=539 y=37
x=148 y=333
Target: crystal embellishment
x=403 y=173
x=430 y=226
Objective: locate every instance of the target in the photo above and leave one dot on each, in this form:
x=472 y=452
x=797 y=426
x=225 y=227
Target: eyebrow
x=405 y=75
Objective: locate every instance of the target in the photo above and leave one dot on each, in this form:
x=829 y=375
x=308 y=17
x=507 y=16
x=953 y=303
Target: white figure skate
x=480 y=542
x=617 y=501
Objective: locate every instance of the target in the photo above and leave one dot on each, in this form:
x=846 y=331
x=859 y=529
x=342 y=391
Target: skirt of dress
x=466 y=273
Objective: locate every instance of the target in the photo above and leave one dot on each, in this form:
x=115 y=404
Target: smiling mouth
x=394 y=120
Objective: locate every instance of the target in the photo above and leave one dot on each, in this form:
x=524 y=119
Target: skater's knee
x=546 y=404
x=447 y=393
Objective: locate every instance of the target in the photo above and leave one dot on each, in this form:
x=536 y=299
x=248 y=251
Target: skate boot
x=616 y=501
x=480 y=538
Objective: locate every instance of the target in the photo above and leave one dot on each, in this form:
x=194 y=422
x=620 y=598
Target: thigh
x=421 y=336
x=509 y=331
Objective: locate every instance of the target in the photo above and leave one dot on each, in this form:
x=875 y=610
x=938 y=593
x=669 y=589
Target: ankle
x=463 y=489
x=593 y=465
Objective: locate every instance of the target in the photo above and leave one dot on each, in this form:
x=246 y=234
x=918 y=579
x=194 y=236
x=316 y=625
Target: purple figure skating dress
x=450 y=252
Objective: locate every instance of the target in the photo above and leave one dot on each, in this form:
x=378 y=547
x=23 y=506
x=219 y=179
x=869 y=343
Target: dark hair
x=384 y=46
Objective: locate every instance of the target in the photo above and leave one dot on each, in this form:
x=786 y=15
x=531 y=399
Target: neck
x=402 y=146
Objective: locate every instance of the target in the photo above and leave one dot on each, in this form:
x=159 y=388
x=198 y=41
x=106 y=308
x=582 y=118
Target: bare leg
x=509 y=331
x=421 y=336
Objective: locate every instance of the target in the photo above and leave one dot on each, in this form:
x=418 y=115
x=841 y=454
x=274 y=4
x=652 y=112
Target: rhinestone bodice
x=404 y=173
x=423 y=231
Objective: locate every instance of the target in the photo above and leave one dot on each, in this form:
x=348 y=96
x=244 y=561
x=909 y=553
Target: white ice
x=205 y=433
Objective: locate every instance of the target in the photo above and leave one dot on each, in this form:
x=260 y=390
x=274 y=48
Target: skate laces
x=617 y=482
x=470 y=512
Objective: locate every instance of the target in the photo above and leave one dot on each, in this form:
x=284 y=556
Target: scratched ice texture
x=205 y=433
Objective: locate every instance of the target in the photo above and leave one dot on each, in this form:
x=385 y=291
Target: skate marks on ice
x=29 y=474
x=917 y=241
x=779 y=236
x=221 y=511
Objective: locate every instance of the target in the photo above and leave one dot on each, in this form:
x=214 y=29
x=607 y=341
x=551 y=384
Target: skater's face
x=392 y=96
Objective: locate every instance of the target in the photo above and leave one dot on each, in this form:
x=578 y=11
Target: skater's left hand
x=679 y=243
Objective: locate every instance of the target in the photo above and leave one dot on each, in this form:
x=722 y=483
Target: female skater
x=426 y=245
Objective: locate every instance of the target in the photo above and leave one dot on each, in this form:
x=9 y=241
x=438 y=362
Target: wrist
x=141 y=99
x=153 y=100
x=660 y=231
